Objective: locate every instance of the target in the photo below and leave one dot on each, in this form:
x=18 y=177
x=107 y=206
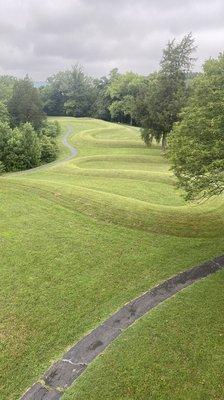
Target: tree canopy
x=167 y=90
x=7 y=83
x=26 y=138
x=69 y=92
x=196 y=146
x=25 y=105
x=4 y=114
x=123 y=91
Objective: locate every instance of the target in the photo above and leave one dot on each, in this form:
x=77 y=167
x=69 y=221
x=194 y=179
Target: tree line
x=182 y=110
x=26 y=138
x=152 y=102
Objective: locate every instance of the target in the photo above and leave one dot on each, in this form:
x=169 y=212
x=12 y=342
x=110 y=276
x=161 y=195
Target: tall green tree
x=196 y=145
x=101 y=105
x=69 y=92
x=53 y=94
x=123 y=91
x=167 y=90
x=7 y=83
x=80 y=93
x=25 y=104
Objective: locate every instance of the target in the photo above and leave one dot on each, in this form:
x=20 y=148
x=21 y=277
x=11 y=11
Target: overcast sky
x=40 y=37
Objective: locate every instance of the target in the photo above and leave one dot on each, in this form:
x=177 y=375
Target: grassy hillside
x=175 y=352
x=80 y=238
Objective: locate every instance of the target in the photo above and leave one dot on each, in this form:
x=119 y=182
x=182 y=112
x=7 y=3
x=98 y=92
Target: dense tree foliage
x=196 y=146
x=69 y=93
x=53 y=95
x=19 y=147
x=25 y=105
x=48 y=148
x=22 y=147
x=51 y=129
x=101 y=105
x=167 y=91
x=26 y=138
x=103 y=99
x=6 y=87
x=4 y=114
x=110 y=98
x=124 y=90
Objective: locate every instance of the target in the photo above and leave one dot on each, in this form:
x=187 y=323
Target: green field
x=79 y=239
x=176 y=352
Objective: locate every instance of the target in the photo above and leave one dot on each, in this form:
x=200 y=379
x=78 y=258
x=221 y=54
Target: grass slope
x=80 y=238
x=175 y=352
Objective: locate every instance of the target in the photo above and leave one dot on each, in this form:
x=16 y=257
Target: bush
x=23 y=148
x=19 y=147
x=51 y=129
x=49 y=149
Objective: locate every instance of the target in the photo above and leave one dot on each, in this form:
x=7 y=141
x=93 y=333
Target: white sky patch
x=44 y=36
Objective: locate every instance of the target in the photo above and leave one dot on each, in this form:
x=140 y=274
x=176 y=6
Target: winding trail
x=64 y=372
x=65 y=142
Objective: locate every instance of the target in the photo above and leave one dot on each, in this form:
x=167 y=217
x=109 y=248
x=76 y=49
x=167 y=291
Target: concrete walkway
x=64 y=372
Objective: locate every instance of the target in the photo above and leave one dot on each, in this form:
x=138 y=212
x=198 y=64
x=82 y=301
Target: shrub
x=49 y=149
x=51 y=129
x=19 y=147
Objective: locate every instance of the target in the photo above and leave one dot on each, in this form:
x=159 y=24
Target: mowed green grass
x=80 y=238
x=176 y=352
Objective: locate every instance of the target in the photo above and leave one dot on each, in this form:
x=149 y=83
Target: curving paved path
x=65 y=142
x=64 y=372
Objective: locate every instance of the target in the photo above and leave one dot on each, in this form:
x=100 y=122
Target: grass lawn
x=80 y=238
x=175 y=352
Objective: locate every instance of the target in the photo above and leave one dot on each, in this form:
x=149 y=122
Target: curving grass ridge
x=82 y=237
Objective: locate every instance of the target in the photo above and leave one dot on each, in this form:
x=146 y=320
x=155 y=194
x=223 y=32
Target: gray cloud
x=44 y=36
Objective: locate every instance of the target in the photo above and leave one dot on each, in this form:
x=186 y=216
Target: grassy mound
x=80 y=238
